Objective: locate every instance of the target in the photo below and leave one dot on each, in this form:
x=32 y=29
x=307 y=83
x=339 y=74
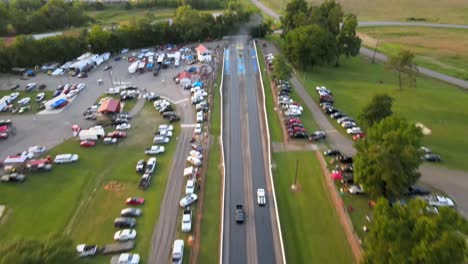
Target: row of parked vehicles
x=345 y=121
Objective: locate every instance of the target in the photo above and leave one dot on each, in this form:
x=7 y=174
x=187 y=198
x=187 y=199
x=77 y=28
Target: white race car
x=37 y=149
x=261 y=197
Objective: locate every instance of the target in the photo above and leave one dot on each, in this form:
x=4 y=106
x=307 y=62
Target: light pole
x=294 y=186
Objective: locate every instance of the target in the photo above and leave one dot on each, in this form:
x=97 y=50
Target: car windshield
x=176 y=257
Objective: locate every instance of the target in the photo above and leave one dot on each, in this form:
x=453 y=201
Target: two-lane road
x=253 y=241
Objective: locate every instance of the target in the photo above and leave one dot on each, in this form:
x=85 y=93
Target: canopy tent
x=198 y=84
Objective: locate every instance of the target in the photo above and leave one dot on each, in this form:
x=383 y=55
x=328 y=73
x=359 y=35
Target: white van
x=66 y=158
x=178 y=251
x=200 y=117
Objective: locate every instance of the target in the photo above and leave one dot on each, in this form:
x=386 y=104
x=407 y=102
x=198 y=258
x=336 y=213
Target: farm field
x=83 y=198
x=442 y=50
x=439 y=106
x=445 y=11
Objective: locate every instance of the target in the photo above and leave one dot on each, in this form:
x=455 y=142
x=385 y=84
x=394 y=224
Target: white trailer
x=92 y=134
x=133 y=67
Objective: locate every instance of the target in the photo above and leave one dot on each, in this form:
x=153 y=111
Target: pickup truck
x=153 y=150
x=239 y=213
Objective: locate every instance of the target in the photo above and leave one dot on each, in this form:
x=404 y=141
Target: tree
x=403 y=63
x=99 y=39
x=281 y=68
x=294 y=9
x=348 y=43
x=414 y=234
x=55 y=250
x=377 y=109
x=309 y=46
x=387 y=161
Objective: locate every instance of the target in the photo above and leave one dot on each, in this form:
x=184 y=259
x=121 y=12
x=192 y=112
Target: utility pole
x=375 y=51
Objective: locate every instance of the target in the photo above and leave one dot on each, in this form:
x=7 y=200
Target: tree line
x=29 y=16
x=317 y=35
x=188 y=25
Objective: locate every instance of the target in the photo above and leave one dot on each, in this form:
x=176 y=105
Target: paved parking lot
x=52 y=129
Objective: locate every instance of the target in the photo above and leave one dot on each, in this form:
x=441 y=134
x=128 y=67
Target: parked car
x=24 y=109
x=348 y=124
x=417 y=191
x=198 y=129
x=317 y=135
x=130 y=212
x=178 y=251
x=30 y=86
x=332 y=152
x=84 y=250
x=239 y=213
x=109 y=140
x=14 y=87
x=261 y=199
x=438 y=201
x=354 y=130
x=13 y=177
x=151 y=166
x=345 y=159
x=140 y=167
x=153 y=150
x=42 y=86
x=123 y=126
x=24 y=101
x=14 y=96
x=358 y=136
x=87 y=144
x=160 y=140
x=135 y=200
x=117 y=134
x=82 y=75
x=37 y=149
x=188 y=200
x=145 y=181
x=431 y=157
x=355 y=189
x=124 y=222
x=108 y=67
x=187 y=220
x=66 y=158
x=190 y=186
x=40 y=97
x=125 y=234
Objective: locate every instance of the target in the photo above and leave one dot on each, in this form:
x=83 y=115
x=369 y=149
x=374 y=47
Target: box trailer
x=92 y=134
x=133 y=67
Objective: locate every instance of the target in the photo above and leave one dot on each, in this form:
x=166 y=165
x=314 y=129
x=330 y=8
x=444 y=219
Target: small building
x=203 y=54
x=185 y=78
x=109 y=106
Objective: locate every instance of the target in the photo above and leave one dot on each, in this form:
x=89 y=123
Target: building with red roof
x=109 y=106
x=203 y=54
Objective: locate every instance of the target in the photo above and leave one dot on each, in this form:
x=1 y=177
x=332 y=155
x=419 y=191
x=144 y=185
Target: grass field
x=211 y=211
x=444 y=11
x=274 y=123
x=82 y=199
x=439 y=106
x=22 y=94
x=311 y=230
x=442 y=50
x=121 y=16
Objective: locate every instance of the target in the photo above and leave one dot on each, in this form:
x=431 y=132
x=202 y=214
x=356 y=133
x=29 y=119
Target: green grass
x=274 y=123
x=73 y=196
x=211 y=218
x=446 y=11
x=439 y=106
x=34 y=105
x=121 y=16
x=311 y=230
x=447 y=53
x=211 y=211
